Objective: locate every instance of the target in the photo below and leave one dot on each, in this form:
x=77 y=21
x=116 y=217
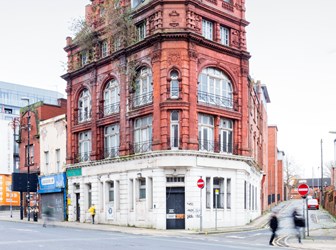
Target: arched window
x=174 y=85
x=143 y=87
x=84 y=106
x=111 y=98
x=215 y=88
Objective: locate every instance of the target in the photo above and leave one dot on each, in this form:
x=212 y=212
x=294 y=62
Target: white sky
x=293 y=48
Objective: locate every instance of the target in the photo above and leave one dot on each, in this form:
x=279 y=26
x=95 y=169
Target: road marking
x=236 y=237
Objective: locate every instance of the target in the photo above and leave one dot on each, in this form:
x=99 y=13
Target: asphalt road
x=16 y=235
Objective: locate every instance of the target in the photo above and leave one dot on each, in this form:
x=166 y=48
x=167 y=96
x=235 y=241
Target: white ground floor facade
x=159 y=190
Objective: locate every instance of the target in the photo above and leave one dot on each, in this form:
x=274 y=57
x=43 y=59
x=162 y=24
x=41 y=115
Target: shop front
x=52 y=189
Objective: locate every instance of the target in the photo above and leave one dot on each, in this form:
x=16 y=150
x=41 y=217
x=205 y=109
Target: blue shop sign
x=52 y=183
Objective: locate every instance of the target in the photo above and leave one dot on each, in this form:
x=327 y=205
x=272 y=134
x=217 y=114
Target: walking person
x=92 y=211
x=274 y=224
x=48 y=213
x=298 y=224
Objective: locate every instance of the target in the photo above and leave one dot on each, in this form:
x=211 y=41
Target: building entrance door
x=175 y=215
x=77 y=207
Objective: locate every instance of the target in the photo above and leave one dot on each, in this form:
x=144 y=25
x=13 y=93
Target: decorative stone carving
x=156 y=56
x=101 y=78
x=174 y=17
x=68 y=88
x=244 y=71
x=70 y=63
x=243 y=40
x=155 y=21
x=235 y=38
x=95 y=53
x=193 y=54
x=174 y=58
x=227 y=6
x=212 y=1
x=193 y=21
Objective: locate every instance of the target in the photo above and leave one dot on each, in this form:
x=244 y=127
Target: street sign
x=200 y=183
x=303 y=189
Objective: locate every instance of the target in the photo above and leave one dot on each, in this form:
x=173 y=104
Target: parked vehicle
x=312 y=204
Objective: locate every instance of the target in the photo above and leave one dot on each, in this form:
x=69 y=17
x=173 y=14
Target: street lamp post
x=321 y=173
x=334 y=163
x=14 y=123
x=28 y=158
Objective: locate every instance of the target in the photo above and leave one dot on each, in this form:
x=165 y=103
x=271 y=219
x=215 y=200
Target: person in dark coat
x=298 y=224
x=274 y=224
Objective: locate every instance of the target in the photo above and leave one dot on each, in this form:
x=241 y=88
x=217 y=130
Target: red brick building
x=259 y=98
x=137 y=145
x=275 y=168
x=37 y=112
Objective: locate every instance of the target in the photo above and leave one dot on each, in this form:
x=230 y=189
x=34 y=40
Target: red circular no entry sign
x=303 y=189
x=200 y=183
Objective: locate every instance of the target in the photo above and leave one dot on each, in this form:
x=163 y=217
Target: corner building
x=136 y=147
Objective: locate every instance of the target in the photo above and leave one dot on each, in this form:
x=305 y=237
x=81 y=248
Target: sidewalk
x=324 y=238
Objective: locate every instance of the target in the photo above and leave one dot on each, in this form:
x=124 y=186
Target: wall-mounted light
x=139 y=175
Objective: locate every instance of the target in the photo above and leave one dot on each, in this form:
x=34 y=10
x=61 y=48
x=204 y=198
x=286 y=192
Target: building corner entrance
x=175 y=210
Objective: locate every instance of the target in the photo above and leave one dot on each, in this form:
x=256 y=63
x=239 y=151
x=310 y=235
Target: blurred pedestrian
x=274 y=224
x=298 y=224
x=48 y=213
x=92 y=211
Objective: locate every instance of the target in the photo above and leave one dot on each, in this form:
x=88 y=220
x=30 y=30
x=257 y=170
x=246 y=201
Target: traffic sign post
x=303 y=189
x=200 y=185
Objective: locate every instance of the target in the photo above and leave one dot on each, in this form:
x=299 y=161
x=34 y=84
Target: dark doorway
x=175 y=215
x=77 y=207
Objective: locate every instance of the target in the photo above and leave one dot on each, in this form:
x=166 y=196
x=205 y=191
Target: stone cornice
x=157 y=38
x=154 y=154
x=150 y=9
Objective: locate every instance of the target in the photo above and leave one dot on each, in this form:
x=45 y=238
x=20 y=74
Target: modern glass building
x=10 y=104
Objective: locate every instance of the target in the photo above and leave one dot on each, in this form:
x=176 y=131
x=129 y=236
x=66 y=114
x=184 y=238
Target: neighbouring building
x=275 y=168
x=147 y=119
x=10 y=104
x=29 y=138
x=8 y=198
x=52 y=179
x=259 y=98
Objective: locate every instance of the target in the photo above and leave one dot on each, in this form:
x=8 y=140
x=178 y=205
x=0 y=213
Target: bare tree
x=327 y=169
x=289 y=175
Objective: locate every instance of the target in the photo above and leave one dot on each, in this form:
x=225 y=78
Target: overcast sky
x=293 y=48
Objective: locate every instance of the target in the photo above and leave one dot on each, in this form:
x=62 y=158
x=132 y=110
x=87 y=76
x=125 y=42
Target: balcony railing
x=216 y=100
x=109 y=109
x=82 y=116
x=206 y=145
x=141 y=147
x=82 y=157
x=140 y=100
x=226 y=148
x=211 y=146
x=174 y=142
x=111 y=152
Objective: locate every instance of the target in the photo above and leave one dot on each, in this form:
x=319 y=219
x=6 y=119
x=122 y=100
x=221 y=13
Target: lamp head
x=25 y=99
